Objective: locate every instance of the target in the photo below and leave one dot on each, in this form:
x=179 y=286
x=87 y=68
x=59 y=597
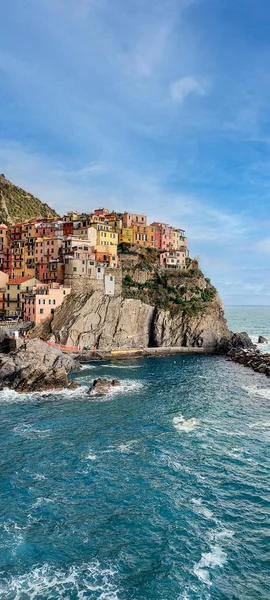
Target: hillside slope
x=17 y=206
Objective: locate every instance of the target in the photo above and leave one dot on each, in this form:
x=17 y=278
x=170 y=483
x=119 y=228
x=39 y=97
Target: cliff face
x=116 y=323
x=17 y=206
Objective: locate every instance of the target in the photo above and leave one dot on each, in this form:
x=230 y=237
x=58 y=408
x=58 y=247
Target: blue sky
x=157 y=106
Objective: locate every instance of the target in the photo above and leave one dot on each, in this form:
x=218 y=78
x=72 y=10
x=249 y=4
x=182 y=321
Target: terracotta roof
x=18 y=280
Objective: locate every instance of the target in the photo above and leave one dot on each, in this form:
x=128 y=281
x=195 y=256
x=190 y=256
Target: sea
x=158 y=491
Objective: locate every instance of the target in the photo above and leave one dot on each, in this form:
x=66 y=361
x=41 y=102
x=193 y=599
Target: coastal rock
x=111 y=323
x=35 y=366
x=262 y=340
x=241 y=340
x=102 y=386
x=252 y=358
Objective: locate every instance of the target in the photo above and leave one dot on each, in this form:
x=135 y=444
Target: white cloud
x=181 y=88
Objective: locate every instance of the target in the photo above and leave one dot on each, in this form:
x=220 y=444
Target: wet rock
x=36 y=367
x=102 y=386
x=251 y=358
x=262 y=340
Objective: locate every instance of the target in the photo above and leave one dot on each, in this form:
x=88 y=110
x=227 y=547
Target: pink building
x=47 y=249
x=41 y=303
x=133 y=219
x=174 y=259
x=164 y=235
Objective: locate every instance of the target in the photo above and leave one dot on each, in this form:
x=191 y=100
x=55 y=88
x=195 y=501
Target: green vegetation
x=173 y=291
x=17 y=206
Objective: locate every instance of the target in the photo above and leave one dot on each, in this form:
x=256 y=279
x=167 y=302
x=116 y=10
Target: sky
x=158 y=106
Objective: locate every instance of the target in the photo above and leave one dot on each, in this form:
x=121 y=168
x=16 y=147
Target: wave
x=30 y=432
x=84 y=581
x=185 y=425
x=87 y=367
x=260 y=425
x=209 y=560
x=91 y=456
x=116 y=366
x=127 y=448
x=8 y=395
x=255 y=391
x=201 y=509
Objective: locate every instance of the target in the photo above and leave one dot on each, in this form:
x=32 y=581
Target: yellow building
x=88 y=234
x=126 y=236
x=13 y=302
x=106 y=238
x=71 y=216
x=23 y=258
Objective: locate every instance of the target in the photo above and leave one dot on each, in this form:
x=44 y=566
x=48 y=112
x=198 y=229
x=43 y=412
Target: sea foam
x=209 y=560
x=78 y=581
x=255 y=391
x=185 y=425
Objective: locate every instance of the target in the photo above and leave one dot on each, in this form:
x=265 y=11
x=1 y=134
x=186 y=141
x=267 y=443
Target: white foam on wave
x=127 y=448
x=255 y=391
x=259 y=425
x=185 y=425
x=40 y=501
x=87 y=367
x=29 y=431
x=7 y=395
x=116 y=366
x=201 y=509
x=221 y=534
x=47 y=582
x=91 y=456
x=209 y=560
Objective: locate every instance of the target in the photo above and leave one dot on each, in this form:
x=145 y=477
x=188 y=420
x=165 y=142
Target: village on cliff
x=43 y=260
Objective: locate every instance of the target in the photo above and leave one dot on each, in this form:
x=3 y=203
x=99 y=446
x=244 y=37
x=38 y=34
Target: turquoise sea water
x=160 y=491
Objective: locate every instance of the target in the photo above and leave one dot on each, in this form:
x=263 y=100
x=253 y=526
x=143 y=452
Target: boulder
x=102 y=386
x=241 y=340
x=262 y=340
x=35 y=366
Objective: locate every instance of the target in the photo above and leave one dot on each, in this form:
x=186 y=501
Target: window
x=44 y=301
x=53 y=301
x=52 y=311
x=111 y=278
x=18 y=287
x=41 y=311
x=50 y=301
x=74 y=269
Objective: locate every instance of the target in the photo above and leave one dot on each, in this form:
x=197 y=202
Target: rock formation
x=251 y=358
x=113 y=322
x=35 y=366
x=262 y=340
x=102 y=386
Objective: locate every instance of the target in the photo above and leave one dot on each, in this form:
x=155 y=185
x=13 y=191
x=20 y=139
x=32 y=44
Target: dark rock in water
x=251 y=357
x=102 y=386
x=241 y=340
x=262 y=340
x=36 y=367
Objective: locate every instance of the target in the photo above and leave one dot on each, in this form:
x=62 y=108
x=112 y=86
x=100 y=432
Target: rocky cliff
x=17 y=206
x=157 y=309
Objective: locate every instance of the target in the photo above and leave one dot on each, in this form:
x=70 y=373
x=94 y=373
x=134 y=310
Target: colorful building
x=41 y=302
x=14 y=295
x=133 y=219
x=173 y=259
